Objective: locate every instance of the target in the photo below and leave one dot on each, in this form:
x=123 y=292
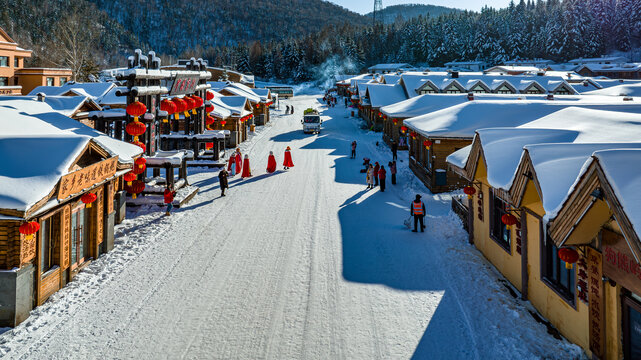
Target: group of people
x=289 y=110
x=330 y=100
x=376 y=174
x=235 y=166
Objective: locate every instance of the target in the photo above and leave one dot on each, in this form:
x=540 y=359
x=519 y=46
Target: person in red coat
x=288 y=159
x=239 y=161
x=246 y=169
x=376 y=168
x=381 y=177
x=231 y=167
x=169 y=196
x=271 y=163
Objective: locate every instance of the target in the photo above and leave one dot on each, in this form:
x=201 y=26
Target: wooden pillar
x=169 y=175
x=470 y=220
x=524 y=273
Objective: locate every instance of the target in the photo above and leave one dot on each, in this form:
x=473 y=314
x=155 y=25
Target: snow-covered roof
x=529 y=62
x=462 y=121
x=110 y=98
x=95 y=90
x=458 y=63
x=602 y=59
x=389 y=67
x=65 y=105
x=627 y=67
x=382 y=95
x=390 y=79
x=235 y=104
x=221 y=109
x=630 y=89
x=513 y=69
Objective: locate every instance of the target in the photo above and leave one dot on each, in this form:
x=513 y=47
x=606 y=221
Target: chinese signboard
x=85 y=178
x=582 y=279
x=619 y=263
x=184 y=84
x=595 y=286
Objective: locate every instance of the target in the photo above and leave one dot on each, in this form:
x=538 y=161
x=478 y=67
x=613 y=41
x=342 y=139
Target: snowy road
x=303 y=264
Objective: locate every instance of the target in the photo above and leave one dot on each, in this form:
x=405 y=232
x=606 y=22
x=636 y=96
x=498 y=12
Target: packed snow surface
x=299 y=264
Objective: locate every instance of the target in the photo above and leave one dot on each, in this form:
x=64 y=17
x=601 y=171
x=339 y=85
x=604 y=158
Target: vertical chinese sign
x=595 y=285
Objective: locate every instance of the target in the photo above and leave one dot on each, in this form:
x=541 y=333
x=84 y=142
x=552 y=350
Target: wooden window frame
x=507 y=247
x=627 y=302
x=569 y=298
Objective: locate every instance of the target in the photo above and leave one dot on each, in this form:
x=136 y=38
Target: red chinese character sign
x=619 y=263
x=596 y=294
x=184 y=84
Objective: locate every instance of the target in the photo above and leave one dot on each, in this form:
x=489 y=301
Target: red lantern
x=136 y=188
x=209 y=95
x=509 y=220
x=569 y=256
x=169 y=107
x=88 y=199
x=427 y=144
x=136 y=129
x=209 y=146
x=210 y=120
x=469 y=191
x=136 y=109
x=209 y=108
x=129 y=177
x=198 y=102
x=181 y=107
x=141 y=166
x=223 y=122
x=258 y=106
x=404 y=129
x=190 y=103
x=395 y=121
x=29 y=228
x=413 y=135
x=140 y=145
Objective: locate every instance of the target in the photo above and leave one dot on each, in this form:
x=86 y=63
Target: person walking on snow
x=370 y=177
x=271 y=162
x=418 y=211
x=232 y=165
x=239 y=161
x=169 y=196
x=353 y=149
x=392 y=170
x=246 y=169
x=376 y=168
x=222 y=179
x=287 y=110
x=394 y=150
x=381 y=177
x=287 y=163
x=292 y=109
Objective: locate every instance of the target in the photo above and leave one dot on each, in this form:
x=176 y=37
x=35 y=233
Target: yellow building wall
x=613 y=322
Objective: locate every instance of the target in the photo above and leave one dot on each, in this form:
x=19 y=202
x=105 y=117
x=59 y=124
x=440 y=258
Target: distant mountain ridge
x=406 y=12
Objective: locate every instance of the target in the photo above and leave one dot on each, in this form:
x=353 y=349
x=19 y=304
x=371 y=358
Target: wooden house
x=521 y=176
x=240 y=112
x=60 y=196
x=613 y=71
x=376 y=97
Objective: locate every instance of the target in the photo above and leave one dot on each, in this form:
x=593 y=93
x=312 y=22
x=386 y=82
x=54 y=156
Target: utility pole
x=378 y=7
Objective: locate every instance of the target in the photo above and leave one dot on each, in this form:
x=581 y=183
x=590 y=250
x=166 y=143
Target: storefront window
x=556 y=274
x=498 y=230
x=49 y=240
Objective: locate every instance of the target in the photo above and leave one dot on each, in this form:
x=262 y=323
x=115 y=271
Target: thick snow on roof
x=625 y=179
x=235 y=104
x=613 y=67
x=557 y=167
x=217 y=85
x=20 y=116
x=381 y=95
x=391 y=79
x=32 y=165
x=610 y=58
x=220 y=108
x=111 y=99
x=242 y=90
x=95 y=90
x=461 y=121
x=389 y=67
x=632 y=89
x=66 y=105
x=513 y=68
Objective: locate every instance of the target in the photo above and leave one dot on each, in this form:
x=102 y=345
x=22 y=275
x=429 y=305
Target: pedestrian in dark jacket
x=376 y=168
x=392 y=170
x=354 y=149
x=222 y=179
x=292 y=109
x=417 y=209
x=381 y=177
x=394 y=149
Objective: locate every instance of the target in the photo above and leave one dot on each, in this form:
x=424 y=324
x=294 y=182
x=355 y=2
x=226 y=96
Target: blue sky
x=365 y=6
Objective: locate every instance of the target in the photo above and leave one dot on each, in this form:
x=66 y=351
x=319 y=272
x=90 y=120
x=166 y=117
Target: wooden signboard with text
x=28 y=248
x=619 y=263
x=65 y=237
x=77 y=181
x=596 y=294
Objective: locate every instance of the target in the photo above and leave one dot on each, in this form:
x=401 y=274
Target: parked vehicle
x=311 y=122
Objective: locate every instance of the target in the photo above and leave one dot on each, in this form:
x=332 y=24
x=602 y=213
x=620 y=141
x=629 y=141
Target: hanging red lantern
x=139 y=169
x=181 y=107
x=169 y=107
x=136 y=109
x=210 y=120
x=209 y=145
x=404 y=129
x=413 y=135
x=209 y=109
x=129 y=177
x=198 y=103
x=569 y=256
x=427 y=144
x=209 y=95
x=223 y=122
x=140 y=145
x=88 y=199
x=29 y=228
x=258 y=106
x=509 y=220
x=135 y=129
x=469 y=191
x=395 y=121
x=191 y=104
x=136 y=188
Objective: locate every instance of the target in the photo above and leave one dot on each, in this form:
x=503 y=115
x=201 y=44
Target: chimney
x=470 y=96
x=550 y=97
x=454 y=74
x=540 y=73
x=627 y=98
x=41 y=97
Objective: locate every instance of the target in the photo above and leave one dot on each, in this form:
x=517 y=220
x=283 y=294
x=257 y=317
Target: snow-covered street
x=300 y=264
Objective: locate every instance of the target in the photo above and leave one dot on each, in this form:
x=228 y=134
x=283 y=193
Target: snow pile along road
x=300 y=264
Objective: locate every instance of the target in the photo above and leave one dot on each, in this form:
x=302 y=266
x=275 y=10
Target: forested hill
x=396 y=13
x=171 y=27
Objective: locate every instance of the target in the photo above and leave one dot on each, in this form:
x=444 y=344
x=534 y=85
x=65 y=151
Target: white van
x=312 y=123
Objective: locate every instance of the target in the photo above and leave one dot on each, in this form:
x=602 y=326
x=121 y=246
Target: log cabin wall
x=430 y=166
x=9 y=245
